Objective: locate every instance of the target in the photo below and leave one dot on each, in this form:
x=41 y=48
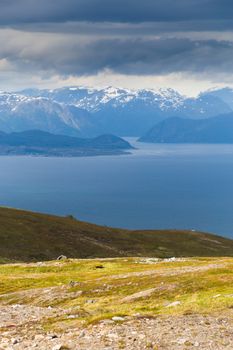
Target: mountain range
x=179 y=130
x=89 y=112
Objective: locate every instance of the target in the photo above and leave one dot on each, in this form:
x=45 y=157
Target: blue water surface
x=157 y=186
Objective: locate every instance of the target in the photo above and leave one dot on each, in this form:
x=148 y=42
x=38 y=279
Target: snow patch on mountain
x=93 y=111
x=94 y=99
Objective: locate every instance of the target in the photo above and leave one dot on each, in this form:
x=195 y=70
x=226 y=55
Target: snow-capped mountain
x=92 y=111
x=19 y=113
x=94 y=100
x=115 y=110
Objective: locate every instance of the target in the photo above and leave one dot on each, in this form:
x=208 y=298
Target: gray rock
x=82 y=334
x=118 y=319
x=62 y=257
x=59 y=347
x=74 y=284
x=175 y=303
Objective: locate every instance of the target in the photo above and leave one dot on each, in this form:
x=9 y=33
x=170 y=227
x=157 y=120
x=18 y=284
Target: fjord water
x=157 y=186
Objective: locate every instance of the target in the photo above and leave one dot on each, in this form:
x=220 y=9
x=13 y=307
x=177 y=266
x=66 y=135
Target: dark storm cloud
x=126 y=56
x=126 y=29
x=23 y=11
x=132 y=37
x=161 y=56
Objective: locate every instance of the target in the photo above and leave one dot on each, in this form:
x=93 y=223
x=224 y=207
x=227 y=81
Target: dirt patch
x=147 y=293
x=169 y=271
x=161 y=333
x=41 y=296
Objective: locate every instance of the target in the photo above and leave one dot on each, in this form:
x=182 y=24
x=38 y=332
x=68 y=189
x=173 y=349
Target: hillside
x=179 y=130
x=130 y=303
x=37 y=142
x=28 y=236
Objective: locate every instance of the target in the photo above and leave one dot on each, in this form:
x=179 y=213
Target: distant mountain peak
x=91 y=111
x=180 y=130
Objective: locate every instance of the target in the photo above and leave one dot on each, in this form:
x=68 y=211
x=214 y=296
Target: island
x=41 y=143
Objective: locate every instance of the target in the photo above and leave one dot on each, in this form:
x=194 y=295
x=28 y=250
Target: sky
x=182 y=44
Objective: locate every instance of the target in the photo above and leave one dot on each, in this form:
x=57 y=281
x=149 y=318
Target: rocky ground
x=132 y=304
x=21 y=330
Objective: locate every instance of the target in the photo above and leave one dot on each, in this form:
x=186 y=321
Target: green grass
x=27 y=236
x=104 y=290
x=202 y=282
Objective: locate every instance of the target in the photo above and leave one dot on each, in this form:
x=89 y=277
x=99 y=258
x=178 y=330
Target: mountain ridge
x=89 y=112
x=179 y=130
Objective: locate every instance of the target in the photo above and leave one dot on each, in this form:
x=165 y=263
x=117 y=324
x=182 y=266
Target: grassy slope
x=27 y=236
x=199 y=285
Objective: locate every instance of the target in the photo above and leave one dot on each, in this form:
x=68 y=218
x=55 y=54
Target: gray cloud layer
x=72 y=56
x=19 y=11
x=132 y=37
